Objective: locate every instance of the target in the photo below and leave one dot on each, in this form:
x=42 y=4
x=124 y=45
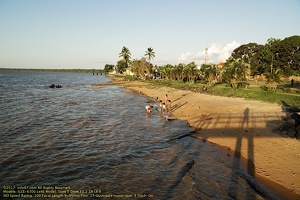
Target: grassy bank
x=291 y=96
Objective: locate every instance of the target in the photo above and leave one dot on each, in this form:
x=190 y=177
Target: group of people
x=54 y=86
x=164 y=107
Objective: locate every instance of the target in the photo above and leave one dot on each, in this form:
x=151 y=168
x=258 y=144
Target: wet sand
x=240 y=126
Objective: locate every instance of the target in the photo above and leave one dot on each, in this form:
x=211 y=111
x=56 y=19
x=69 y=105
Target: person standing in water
x=148 y=108
x=160 y=106
x=168 y=106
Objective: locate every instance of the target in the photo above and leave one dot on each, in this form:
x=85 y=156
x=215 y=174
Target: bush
x=131 y=78
x=243 y=84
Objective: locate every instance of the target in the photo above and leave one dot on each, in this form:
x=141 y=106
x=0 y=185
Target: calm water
x=102 y=139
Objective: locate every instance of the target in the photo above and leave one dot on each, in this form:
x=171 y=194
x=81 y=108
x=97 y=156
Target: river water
x=101 y=140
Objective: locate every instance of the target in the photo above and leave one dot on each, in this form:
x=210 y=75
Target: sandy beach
x=242 y=127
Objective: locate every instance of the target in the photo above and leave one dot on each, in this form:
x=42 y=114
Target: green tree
x=236 y=71
x=126 y=55
x=191 y=72
x=246 y=52
x=210 y=72
x=178 y=71
x=121 y=66
x=141 y=67
x=273 y=77
x=162 y=71
x=108 y=68
x=261 y=62
x=167 y=71
x=286 y=56
x=150 y=54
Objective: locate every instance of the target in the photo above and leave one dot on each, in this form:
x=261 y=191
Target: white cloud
x=215 y=53
x=185 y=56
x=220 y=53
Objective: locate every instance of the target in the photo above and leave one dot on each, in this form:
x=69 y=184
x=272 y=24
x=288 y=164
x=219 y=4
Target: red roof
x=221 y=64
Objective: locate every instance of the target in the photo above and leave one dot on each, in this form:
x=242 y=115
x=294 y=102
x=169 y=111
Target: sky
x=88 y=34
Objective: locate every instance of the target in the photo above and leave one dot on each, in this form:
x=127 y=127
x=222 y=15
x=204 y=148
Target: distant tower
x=206 y=58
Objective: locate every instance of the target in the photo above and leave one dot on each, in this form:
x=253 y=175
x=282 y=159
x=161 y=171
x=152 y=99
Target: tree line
x=139 y=68
x=271 y=61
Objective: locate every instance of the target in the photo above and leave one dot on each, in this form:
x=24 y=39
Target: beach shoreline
x=243 y=127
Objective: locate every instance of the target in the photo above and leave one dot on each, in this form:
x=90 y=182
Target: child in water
x=161 y=105
x=164 y=109
x=148 y=108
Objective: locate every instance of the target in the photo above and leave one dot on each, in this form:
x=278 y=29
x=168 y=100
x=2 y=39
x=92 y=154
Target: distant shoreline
x=99 y=71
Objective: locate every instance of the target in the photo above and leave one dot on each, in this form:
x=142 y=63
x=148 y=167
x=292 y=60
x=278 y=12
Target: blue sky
x=91 y=33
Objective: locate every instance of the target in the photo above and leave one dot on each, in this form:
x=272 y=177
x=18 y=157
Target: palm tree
x=166 y=71
x=150 y=54
x=273 y=78
x=126 y=55
x=178 y=71
x=210 y=72
x=236 y=71
x=191 y=71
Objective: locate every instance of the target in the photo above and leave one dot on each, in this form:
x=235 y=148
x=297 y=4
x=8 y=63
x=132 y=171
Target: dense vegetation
x=272 y=61
x=140 y=68
x=254 y=71
x=256 y=90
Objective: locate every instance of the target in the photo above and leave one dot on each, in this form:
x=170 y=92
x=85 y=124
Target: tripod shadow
x=242 y=129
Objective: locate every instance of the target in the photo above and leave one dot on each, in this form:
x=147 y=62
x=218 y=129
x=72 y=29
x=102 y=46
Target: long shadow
x=179 y=97
x=178 y=105
x=233 y=189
